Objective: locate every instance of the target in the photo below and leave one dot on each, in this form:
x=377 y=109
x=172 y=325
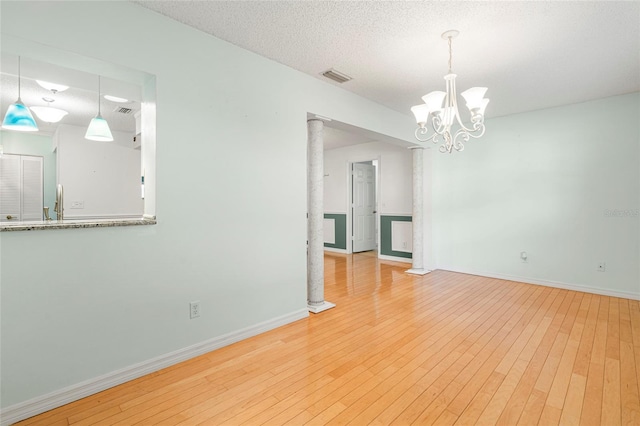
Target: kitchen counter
x=73 y=224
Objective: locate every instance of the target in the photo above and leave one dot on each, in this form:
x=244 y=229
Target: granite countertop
x=73 y=224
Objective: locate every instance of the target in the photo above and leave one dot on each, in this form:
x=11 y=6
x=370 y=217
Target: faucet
x=59 y=208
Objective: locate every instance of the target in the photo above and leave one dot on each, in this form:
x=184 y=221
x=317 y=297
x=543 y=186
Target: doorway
x=364 y=184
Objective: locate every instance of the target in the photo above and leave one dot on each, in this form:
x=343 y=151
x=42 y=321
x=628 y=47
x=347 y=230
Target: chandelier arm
x=422 y=131
x=452 y=91
x=438 y=124
x=457 y=111
x=460 y=139
x=477 y=130
x=477 y=126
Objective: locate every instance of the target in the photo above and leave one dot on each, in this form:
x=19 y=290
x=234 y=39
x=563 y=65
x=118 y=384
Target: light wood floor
x=445 y=348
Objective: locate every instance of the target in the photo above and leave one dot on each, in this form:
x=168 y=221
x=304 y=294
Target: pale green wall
x=231 y=204
x=541 y=182
x=40 y=145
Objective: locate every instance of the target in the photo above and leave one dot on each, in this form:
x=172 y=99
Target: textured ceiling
x=531 y=55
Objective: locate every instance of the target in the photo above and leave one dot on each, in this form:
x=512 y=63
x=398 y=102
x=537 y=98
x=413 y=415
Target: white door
x=364 y=205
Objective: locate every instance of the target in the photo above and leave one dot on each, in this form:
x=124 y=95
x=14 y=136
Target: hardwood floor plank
x=533 y=408
x=562 y=378
x=611 y=414
x=572 y=408
x=630 y=399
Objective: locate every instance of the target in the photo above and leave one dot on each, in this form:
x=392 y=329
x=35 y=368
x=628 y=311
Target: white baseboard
x=394 y=258
x=418 y=271
x=316 y=309
x=335 y=250
x=548 y=283
x=38 y=405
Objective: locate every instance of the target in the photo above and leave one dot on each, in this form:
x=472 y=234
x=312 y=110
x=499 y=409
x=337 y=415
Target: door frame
x=349 y=179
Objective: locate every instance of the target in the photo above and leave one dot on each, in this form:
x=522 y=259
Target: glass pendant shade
x=421 y=113
x=434 y=100
x=99 y=130
x=483 y=106
x=18 y=117
x=474 y=96
x=49 y=114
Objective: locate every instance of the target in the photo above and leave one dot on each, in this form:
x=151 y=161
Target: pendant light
x=18 y=116
x=99 y=128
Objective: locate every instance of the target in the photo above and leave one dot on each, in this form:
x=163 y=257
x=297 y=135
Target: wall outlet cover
x=194 y=309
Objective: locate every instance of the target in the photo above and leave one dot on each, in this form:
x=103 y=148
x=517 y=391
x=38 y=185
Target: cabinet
x=21 y=188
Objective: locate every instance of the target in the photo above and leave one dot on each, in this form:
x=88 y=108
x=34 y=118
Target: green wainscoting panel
x=340 y=221
x=385 y=235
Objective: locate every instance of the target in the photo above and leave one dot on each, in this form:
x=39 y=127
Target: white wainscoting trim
x=38 y=405
x=394 y=258
x=335 y=250
x=329 y=230
x=548 y=283
x=402 y=236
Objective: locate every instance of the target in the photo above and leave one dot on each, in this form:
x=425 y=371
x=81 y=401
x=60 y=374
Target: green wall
x=385 y=235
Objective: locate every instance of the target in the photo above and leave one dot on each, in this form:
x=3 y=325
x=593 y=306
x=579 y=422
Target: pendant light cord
x=99 y=112
x=18 y=77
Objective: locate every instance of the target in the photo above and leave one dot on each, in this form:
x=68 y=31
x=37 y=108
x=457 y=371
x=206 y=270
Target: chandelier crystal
x=442 y=108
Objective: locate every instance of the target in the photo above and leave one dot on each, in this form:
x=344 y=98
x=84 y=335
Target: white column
x=417 y=255
x=315 y=209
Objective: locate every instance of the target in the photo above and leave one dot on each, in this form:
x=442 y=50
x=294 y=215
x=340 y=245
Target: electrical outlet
x=194 y=309
x=523 y=256
x=77 y=204
x=602 y=267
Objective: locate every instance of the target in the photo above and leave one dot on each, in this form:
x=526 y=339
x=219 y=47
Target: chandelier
x=442 y=107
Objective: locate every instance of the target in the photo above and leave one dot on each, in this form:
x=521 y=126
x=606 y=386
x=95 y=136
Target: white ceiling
x=80 y=100
x=531 y=55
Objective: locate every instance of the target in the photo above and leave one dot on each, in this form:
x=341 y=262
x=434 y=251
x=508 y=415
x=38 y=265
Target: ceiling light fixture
x=116 y=99
x=98 y=129
x=443 y=116
x=18 y=116
x=54 y=87
x=48 y=114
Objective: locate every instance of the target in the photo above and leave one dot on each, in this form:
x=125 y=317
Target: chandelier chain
x=450 y=54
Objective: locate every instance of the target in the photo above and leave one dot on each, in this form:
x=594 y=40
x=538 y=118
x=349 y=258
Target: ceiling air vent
x=336 y=76
x=123 y=110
